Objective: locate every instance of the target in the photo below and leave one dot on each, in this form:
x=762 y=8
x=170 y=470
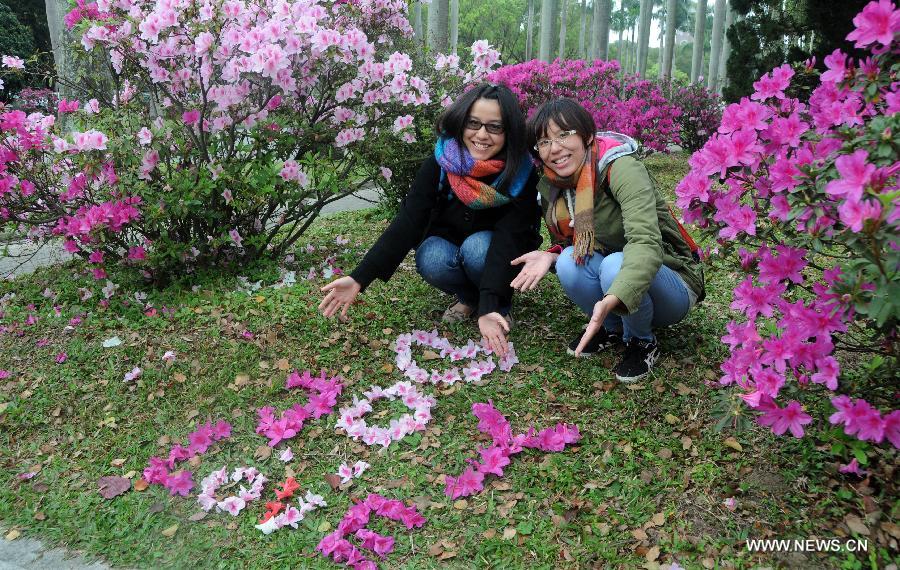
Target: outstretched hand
x=339 y=295
x=602 y=309
x=536 y=265
x=493 y=329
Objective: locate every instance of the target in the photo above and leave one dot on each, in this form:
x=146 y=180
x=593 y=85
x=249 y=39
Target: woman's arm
x=405 y=231
x=643 y=253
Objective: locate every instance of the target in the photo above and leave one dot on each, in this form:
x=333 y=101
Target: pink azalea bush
x=221 y=130
x=634 y=107
x=803 y=196
x=700 y=111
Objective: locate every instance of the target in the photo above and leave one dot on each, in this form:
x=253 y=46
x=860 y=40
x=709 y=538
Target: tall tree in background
x=726 y=50
x=438 y=30
x=529 y=25
x=767 y=33
x=645 y=15
x=715 y=49
x=669 y=48
x=583 y=17
x=548 y=15
x=454 y=25
x=418 y=32
x=562 y=29
x=699 y=29
x=600 y=29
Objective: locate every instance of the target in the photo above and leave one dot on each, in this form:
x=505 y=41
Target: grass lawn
x=645 y=485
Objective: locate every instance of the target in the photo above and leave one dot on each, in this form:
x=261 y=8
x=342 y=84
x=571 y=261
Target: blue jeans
x=665 y=303
x=454 y=269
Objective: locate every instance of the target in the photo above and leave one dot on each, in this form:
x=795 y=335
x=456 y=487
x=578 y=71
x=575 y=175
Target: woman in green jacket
x=620 y=254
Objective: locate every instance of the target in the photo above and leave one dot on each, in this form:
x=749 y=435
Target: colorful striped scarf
x=558 y=215
x=463 y=173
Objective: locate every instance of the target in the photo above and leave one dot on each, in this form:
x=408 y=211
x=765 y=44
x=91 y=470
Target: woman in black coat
x=471 y=210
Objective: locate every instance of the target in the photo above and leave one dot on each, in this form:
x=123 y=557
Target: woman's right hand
x=537 y=264
x=340 y=294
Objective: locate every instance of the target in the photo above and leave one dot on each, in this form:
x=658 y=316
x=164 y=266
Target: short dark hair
x=452 y=123
x=567 y=114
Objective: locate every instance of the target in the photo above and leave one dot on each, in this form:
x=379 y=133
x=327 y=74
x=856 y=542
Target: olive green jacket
x=638 y=223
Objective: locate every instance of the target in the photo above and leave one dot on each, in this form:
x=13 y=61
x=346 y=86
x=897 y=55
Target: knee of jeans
x=432 y=260
x=473 y=250
x=609 y=269
x=566 y=269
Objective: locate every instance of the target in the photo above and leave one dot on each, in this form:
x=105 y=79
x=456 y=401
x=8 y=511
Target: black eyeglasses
x=474 y=124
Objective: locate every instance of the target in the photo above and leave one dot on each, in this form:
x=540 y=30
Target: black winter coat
x=429 y=210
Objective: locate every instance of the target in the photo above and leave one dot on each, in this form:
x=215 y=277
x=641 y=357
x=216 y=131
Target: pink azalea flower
x=133 y=375
x=853 y=467
x=191 y=117
x=730 y=503
x=221 y=430
x=61 y=357
x=878 y=22
x=792 y=417
x=892 y=428
x=468 y=483
x=345 y=472
x=287 y=455
x=493 y=460
x=13 y=62
x=179 y=483
x=235 y=237
x=232 y=505
x=856 y=173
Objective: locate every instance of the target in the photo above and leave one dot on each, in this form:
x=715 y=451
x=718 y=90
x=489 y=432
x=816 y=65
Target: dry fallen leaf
x=686 y=442
x=447 y=554
x=436 y=549
x=460 y=504
x=170 y=532
x=141 y=485
x=263 y=452
x=198 y=516
x=283 y=364
x=639 y=534
x=333 y=480
x=856 y=525
x=652 y=554
x=117 y=462
x=665 y=453
x=40 y=516
x=733 y=444
x=13 y=534
x=670 y=419
x=489 y=533
x=112 y=486
x=192 y=414
x=658 y=519
x=509 y=533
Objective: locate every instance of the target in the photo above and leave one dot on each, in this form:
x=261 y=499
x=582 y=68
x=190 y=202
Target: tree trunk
x=715 y=50
x=619 y=46
x=662 y=43
x=548 y=14
x=529 y=37
x=646 y=15
x=59 y=41
x=669 y=56
x=582 y=49
x=600 y=29
x=454 y=25
x=726 y=51
x=562 y=29
x=437 y=26
x=417 y=22
x=699 y=30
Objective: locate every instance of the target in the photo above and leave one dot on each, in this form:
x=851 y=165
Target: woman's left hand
x=602 y=309
x=493 y=329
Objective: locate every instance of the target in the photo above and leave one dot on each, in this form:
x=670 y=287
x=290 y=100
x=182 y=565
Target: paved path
x=28 y=553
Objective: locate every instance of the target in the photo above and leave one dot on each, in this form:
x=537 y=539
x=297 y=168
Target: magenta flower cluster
x=159 y=471
x=504 y=445
x=323 y=393
x=634 y=107
x=805 y=195
x=338 y=548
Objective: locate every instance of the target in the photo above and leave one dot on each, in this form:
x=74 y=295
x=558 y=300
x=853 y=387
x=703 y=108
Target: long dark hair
x=452 y=123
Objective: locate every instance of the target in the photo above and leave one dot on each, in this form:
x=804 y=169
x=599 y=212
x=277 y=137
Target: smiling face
x=481 y=144
x=563 y=158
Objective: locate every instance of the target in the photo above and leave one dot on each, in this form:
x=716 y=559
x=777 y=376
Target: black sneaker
x=600 y=341
x=637 y=360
